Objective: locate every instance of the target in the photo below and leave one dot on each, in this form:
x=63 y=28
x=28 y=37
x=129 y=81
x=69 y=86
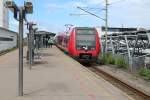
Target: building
x=111 y=30
x=8 y=39
x=4 y=17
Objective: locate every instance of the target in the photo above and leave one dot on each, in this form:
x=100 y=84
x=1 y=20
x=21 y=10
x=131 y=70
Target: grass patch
x=120 y=62
x=145 y=73
x=117 y=60
x=109 y=59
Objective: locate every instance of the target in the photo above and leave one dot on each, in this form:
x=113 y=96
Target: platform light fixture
x=13 y=7
x=28 y=7
x=20 y=15
x=31 y=42
x=30 y=25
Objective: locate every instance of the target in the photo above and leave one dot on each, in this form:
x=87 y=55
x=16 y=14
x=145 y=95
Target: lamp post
x=30 y=43
x=21 y=12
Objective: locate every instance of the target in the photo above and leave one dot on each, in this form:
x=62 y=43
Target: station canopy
x=45 y=33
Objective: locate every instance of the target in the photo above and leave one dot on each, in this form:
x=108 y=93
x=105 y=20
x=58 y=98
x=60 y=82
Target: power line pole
x=106 y=24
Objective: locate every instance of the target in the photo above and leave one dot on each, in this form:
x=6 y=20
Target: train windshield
x=85 y=37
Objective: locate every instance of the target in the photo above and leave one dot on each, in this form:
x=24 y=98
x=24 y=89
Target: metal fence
x=134 y=47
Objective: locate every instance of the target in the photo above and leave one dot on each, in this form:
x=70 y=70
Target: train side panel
x=71 y=44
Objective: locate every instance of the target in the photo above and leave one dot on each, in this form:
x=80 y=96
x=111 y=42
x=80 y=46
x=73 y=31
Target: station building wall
x=4 y=16
x=8 y=39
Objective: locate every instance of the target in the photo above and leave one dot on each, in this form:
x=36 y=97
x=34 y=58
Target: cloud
x=46 y=26
x=68 y=5
x=130 y=13
x=43 y=28
x=94 y=1
x=14 y=26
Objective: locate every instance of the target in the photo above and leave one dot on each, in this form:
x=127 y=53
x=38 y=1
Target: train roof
x=84 y=28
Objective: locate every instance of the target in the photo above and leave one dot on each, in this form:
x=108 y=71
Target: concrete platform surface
x=54 y=77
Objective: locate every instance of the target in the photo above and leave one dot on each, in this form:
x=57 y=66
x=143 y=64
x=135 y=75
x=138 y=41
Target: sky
x=52 y=15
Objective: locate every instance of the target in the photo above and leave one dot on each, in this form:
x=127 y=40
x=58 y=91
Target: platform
x=54 y=77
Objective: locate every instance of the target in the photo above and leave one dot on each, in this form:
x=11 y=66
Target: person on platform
x=50 y=42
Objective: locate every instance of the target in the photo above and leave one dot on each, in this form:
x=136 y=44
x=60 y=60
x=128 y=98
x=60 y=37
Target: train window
x=85 y=39
x=86 y=31
x=6 y=39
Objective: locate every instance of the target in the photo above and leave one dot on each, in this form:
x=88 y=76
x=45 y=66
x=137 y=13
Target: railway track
x=127 y=88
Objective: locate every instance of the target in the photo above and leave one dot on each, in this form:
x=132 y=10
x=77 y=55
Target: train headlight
x=78 y=48
x=92 y=48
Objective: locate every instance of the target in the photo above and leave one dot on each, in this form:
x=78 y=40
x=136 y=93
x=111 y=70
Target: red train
x=82 y=43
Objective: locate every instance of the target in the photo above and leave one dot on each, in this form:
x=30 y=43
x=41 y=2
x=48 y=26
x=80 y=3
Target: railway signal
x=19 y=14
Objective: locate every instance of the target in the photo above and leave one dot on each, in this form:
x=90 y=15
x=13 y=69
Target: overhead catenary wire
x=71 y=14
x=94 y=10
x=115 y=2
x=90 y=13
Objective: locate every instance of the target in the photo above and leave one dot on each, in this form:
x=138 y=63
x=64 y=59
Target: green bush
x=145 y=73
x=120 y=62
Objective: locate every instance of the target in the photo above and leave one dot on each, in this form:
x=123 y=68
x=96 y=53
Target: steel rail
x=122 y=83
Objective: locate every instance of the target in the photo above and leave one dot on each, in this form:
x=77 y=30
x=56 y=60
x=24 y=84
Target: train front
x=87 y=45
